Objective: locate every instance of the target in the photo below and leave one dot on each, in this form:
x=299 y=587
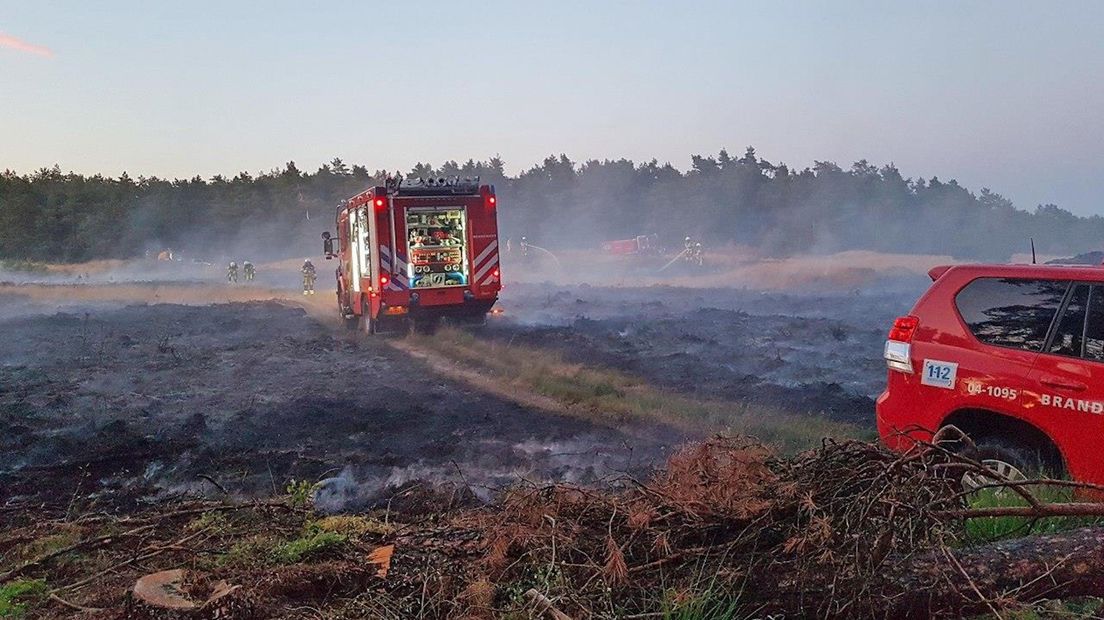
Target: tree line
x=53 y=216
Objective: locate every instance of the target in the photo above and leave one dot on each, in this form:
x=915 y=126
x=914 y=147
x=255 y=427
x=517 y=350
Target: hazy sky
x=1003 y=94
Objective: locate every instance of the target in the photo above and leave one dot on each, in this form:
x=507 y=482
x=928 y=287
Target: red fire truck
x=640 y=244
x=416 y=250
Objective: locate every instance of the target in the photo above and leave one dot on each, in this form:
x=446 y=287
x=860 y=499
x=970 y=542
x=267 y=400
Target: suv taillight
x=898 y=349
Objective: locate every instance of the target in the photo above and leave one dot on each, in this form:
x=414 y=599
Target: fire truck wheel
x=1010 y=460
x=351 y=323
x=367 y=325
x=426 y=325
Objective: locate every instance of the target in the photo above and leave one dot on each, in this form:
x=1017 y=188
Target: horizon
x=970 y=92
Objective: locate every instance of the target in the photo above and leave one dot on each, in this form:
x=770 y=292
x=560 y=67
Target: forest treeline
x=52 y=216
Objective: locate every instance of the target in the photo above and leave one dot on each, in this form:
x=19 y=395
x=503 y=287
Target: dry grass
x=608 y=396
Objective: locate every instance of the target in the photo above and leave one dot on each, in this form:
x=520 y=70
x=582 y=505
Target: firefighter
x=232 y=272
x=249 y=271
x=688 y=250
x=309 y=275
x=699 y=255
x=524 y=247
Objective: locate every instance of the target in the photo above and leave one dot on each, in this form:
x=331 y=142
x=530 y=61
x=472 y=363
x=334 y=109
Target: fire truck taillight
x=491 y=200
x=379 y=202
x=383 y=281
x=496 y=274
x=898 y=348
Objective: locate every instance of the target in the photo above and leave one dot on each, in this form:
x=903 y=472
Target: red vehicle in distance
x=1011 y=354
x=416 y=250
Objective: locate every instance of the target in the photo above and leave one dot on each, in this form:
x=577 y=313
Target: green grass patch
x=987 y=529
x=354 y=526
x=49 y=544
x=610 y=396
x=217 y=522
x=16 y=597
x=309 y=545
x=266 y=550
x=251 y=551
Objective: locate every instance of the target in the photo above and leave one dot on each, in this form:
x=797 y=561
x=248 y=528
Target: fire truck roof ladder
x=440 y=186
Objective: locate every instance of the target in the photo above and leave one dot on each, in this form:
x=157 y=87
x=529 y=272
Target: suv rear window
x=1011 y=312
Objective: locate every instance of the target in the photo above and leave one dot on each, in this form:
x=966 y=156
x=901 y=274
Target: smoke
x=579 y=460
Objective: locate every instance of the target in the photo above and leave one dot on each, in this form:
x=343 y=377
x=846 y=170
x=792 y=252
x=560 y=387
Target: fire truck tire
x=427 y=325
x=351 y=323
x=367 y=325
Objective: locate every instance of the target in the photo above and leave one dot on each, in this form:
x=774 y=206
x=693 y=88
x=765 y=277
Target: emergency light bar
x=440 y=186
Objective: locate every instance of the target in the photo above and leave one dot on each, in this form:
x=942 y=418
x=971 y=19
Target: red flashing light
x=491 y=200
x=496 y=274
x=383 y=281
x=904 y=328
x=379 y=202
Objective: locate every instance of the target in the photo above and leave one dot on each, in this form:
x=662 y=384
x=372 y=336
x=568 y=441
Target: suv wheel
x=1010 y=461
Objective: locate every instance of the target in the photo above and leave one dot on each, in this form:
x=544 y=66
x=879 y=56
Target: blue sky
x=1008 y=95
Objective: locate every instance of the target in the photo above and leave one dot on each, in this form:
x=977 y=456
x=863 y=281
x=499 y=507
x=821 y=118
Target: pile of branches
x=725 y=520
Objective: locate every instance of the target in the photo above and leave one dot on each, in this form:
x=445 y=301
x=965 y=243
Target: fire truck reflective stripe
x=400 y=270
x=491 y=247
x=398 y=281
x=486 y=268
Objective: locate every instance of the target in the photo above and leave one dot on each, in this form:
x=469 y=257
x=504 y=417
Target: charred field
x=132 y=404
x=111 y=395
x=556 y=461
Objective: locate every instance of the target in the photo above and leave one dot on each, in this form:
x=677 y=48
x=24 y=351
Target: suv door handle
x=1058 y=384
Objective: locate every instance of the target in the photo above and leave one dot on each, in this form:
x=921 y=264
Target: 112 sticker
x=939 y=374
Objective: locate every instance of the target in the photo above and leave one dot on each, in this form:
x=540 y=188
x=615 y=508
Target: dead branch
x=542 y=606
x=1091 y=509
x=74 y=606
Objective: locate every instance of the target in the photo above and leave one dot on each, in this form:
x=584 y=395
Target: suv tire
x=1012 y=460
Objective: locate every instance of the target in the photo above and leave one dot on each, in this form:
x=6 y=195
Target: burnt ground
x=810 y=354
x=114 y=406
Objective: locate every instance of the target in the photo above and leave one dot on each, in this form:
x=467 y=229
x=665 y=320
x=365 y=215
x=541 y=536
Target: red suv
x=1011 y=354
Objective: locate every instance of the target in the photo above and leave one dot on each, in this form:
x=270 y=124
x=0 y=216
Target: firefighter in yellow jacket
x=309 y=276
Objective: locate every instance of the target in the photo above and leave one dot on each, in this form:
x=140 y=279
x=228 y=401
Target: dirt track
x=128 y=404
x=809 y=354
